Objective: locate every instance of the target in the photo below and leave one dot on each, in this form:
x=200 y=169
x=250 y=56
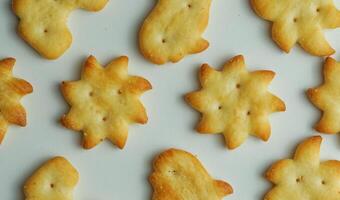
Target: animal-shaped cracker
x=235 y=102
x=43 y=23
x=11 y=91
x=300 y=21
x=178 y=175
x=304 y=177
x=173 y=29
x=55 y=180
x=327 y=98
x=104 y=102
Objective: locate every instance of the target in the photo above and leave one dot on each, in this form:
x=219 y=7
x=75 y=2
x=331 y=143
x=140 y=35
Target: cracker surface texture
x=300 y=21
x=54 y=180
x=104 y=102
x=235 y=102
x=327 y=98
x=304 y=177
x=43 y=23
x=11 y=91
x=173 y=29
x=178 y=175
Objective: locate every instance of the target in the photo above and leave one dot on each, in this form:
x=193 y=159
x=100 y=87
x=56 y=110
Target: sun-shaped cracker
x=304 y=177
x=178 y=175
x=11 y=91
x=43 y=23
x=300 y=21
x=54 y=180
x=327 y=98
x=104 y=102
x=235 y=102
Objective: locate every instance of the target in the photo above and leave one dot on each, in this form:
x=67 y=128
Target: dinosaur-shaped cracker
x=55 y=180
x=11 y=91
x=178 y=175
x=43 y=23
x=304 y=177
x=300 y=21
x=173 y=29
x=327 y=98
x=104 y=102
x=235 y=102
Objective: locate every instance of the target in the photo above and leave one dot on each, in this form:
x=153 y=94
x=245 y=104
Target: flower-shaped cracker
x=304 y=177
x=11 y=91
x=104 y=102
x=327 y=98
x=235 y=102
x=300 y=21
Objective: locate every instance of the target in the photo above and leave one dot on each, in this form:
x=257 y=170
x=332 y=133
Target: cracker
x=43 y=24
x=54 y=180
x=11 y=91
x=178 y=175
x=104 y=102
x=304 y=177
x=235 y=102
x=300 y=21
x=173 y=29
x=327 y=98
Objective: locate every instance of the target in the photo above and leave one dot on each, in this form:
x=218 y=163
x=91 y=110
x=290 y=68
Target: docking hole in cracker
x=304 y=176
x=173 y=29
x=327 y=98
x=11 y=91
x=178 y=175
x=43 y=23
x=54 y=180
x=300 y=21
x=104 y=102
x=235 y=102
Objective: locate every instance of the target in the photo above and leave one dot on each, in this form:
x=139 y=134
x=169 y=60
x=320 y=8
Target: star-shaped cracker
x=11 y=91
x=104 y=102
x=43 y=23
x=54 y=180
x=174 y=29
x=304 y=177
x=235 y=102
x=327 y=98
x=300 y=21
x=178 y=175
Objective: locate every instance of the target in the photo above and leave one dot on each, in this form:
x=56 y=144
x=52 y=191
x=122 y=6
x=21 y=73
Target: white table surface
x=109 y=173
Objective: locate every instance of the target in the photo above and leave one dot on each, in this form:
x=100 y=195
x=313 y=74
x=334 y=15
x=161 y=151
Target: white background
x=109 y=173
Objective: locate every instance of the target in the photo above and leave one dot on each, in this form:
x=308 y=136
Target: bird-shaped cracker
x=178 y=175
x=235 y=102
x=104 y=102
x=300 y=21
x=55 y=180
x=11 y=91
x=304 y=177
x=174 y=29
x=43 y=24
x=327 y=98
